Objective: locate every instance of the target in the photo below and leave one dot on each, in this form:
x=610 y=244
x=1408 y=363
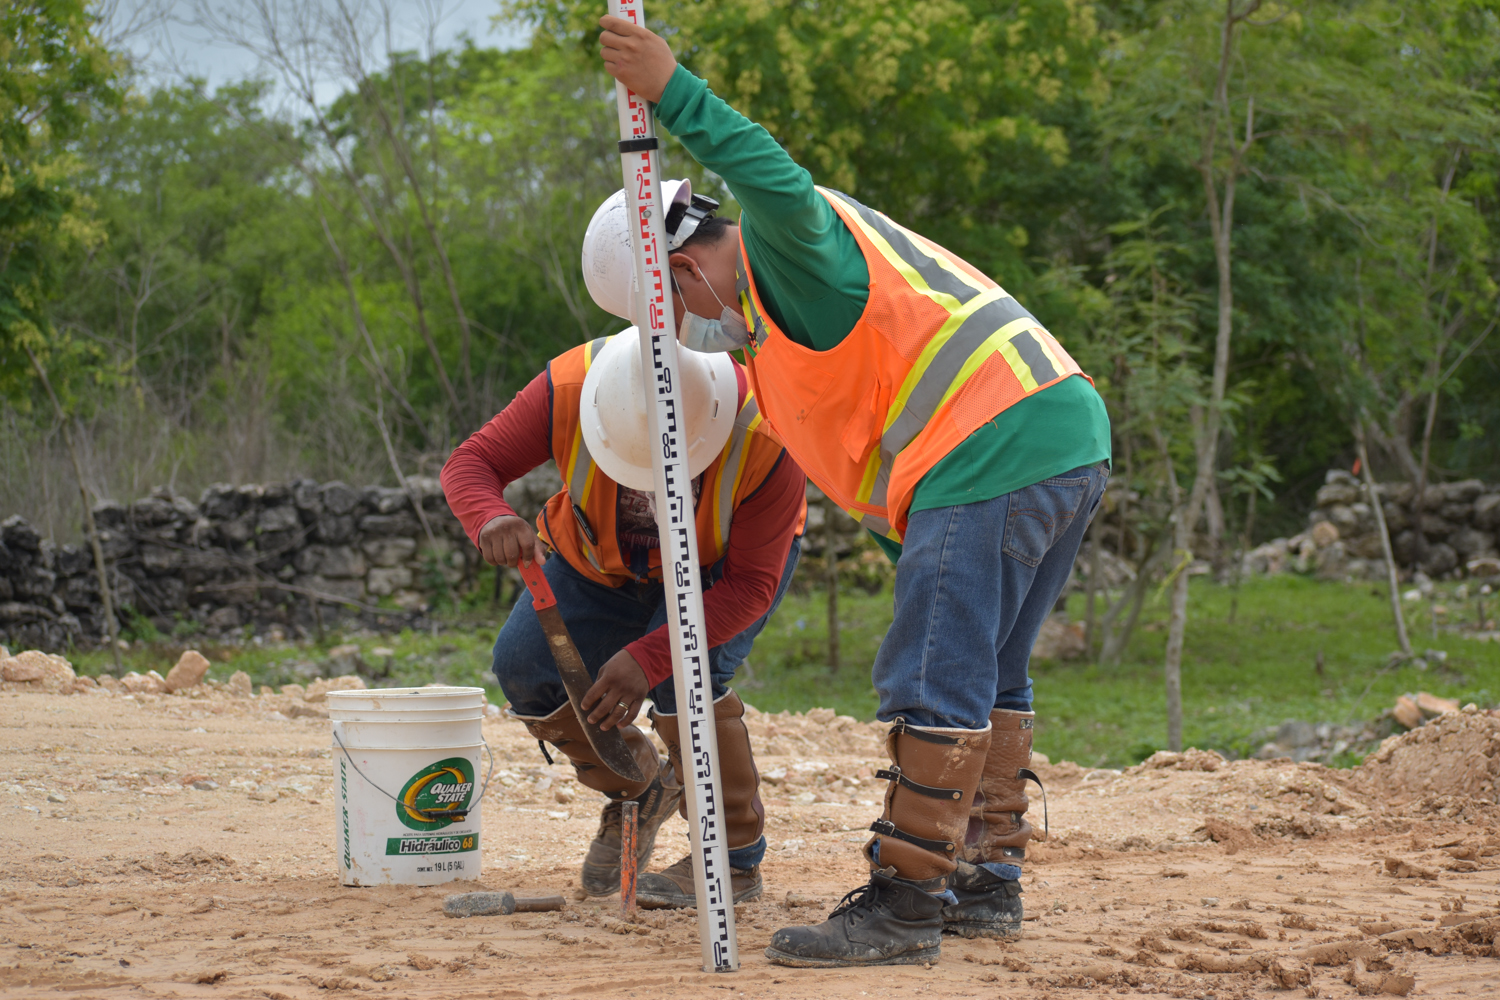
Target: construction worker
x=940 y=414
x=587 y=411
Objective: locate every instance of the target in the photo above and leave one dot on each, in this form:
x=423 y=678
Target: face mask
x=709 y=336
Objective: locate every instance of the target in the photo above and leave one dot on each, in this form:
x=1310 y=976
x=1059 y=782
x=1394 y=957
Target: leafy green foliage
x=54 y=76
x=1240 y=676
x=1056 y=145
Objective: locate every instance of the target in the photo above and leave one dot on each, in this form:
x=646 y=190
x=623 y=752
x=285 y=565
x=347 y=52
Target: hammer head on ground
x=479 y=904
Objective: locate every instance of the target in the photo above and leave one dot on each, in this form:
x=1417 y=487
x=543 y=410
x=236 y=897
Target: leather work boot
x=656 y=799
x=896 y=919
x=673 y=888
x=887 y=921
x=743 y=814
x=989 y=904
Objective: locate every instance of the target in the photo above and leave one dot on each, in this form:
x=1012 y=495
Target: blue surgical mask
x=709 y=336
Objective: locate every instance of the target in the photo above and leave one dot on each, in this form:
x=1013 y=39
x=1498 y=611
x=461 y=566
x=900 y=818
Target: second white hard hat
x=612 y=410
x=608 y=265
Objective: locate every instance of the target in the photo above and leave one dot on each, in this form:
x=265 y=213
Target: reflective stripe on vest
x=581 y=467
x=982 y=321
x=733 y=468
x=984 y=324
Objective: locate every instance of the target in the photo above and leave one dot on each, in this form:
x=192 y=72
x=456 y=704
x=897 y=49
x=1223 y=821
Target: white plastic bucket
x=408 y=780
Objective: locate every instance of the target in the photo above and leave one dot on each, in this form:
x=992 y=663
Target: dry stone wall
x=1454 y=532
x=280 y=555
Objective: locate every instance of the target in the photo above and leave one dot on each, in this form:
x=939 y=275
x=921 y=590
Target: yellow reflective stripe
x=732 y=467
x=867 y=481
x=945 y=262
x=906 y=270
x=1000 y=341
x=924 y=360
x=1043 y=339
x=875 y=523
x=1018 y=365
x=579 y=471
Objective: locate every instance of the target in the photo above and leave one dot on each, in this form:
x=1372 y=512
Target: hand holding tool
x=607 y=743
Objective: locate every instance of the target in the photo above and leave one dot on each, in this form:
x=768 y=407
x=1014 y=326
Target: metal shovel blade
x=607 y=743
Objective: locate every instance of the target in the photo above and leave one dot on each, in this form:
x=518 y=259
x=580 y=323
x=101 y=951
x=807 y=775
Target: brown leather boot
x=933 y=776
x=601 y=866
x=744 y=815
x=988 y=902
x=896 y=919
x=998 y=828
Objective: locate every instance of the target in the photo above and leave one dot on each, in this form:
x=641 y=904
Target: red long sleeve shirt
x=518 y=439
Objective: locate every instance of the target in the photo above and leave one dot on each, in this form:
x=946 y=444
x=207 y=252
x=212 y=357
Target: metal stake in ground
x=630 y=813
x=641 y=165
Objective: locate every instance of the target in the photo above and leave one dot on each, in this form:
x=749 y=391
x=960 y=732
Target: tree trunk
x=1246 y=541
x=106 y=597
x=1393 y=583
x=1091 y=586
x=831 y=576
x=1206 y=441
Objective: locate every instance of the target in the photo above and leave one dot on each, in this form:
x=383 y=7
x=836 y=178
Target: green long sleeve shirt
x=813 y=280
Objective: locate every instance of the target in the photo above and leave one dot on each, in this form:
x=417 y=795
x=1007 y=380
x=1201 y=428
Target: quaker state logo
x=437 y=796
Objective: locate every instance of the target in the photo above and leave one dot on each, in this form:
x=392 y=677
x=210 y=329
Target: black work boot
x=988 y=905
x=888 y=921
x=601 y=866
x=673 y=889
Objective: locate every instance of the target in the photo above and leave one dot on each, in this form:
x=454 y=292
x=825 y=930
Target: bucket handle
x=429 y=815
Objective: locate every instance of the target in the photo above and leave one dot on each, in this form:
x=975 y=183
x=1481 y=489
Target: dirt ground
x=182 y=846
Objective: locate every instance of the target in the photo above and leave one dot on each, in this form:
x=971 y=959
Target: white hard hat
x=612 y=410
x=608 y=265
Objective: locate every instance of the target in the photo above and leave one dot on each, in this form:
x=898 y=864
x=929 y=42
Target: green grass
x=1238 y=678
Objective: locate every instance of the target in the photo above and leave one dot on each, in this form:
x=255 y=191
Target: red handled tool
x=607 y=743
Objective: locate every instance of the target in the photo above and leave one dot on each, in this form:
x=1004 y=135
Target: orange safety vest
x=939 y=350
x=589 y=497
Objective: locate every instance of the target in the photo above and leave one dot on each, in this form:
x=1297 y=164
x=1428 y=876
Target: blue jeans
x=973 y=585
x=602 y=621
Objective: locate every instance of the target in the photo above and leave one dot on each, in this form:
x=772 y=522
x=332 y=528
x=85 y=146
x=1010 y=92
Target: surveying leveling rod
x=640 y=161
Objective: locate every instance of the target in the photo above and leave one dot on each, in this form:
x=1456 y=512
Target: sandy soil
x=123 y=879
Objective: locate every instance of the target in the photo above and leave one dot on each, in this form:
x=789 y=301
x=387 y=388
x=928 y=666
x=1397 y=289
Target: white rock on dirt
x=318 y=690
x=239 y=685
x=150 y=682
x=19 y=673
x=51 y=673
x=190 y=669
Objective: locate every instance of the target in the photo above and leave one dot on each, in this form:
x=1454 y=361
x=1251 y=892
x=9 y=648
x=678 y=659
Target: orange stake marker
x=629 y=826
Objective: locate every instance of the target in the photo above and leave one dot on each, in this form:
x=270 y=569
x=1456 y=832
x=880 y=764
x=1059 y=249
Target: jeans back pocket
x=1040 y=514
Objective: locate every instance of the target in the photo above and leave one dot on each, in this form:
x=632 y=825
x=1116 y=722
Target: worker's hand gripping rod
x=640 y=160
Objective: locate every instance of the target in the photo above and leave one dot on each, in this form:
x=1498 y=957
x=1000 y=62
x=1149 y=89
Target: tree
x=53 y=74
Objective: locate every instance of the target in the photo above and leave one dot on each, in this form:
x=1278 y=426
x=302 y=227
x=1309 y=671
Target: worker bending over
x=940 y=414
x=587 y=411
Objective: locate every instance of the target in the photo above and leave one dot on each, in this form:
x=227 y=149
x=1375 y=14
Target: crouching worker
x=587 y=411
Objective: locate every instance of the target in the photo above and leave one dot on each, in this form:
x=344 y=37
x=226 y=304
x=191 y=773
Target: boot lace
x=609 y=821
x=862 y=897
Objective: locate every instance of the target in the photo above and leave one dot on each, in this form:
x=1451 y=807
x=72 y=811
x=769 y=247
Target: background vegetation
x=1267 y=229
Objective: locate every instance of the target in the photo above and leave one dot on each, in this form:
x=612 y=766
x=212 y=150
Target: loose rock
x=191 y=668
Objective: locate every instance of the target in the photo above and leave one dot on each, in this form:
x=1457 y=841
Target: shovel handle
x=536 y=582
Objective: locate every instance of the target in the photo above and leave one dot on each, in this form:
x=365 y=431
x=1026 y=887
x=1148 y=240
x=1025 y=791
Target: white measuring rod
x=640 y=161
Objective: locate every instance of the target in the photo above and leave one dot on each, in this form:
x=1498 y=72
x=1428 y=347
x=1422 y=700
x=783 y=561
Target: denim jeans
x=602 y=621
x=973 y=585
